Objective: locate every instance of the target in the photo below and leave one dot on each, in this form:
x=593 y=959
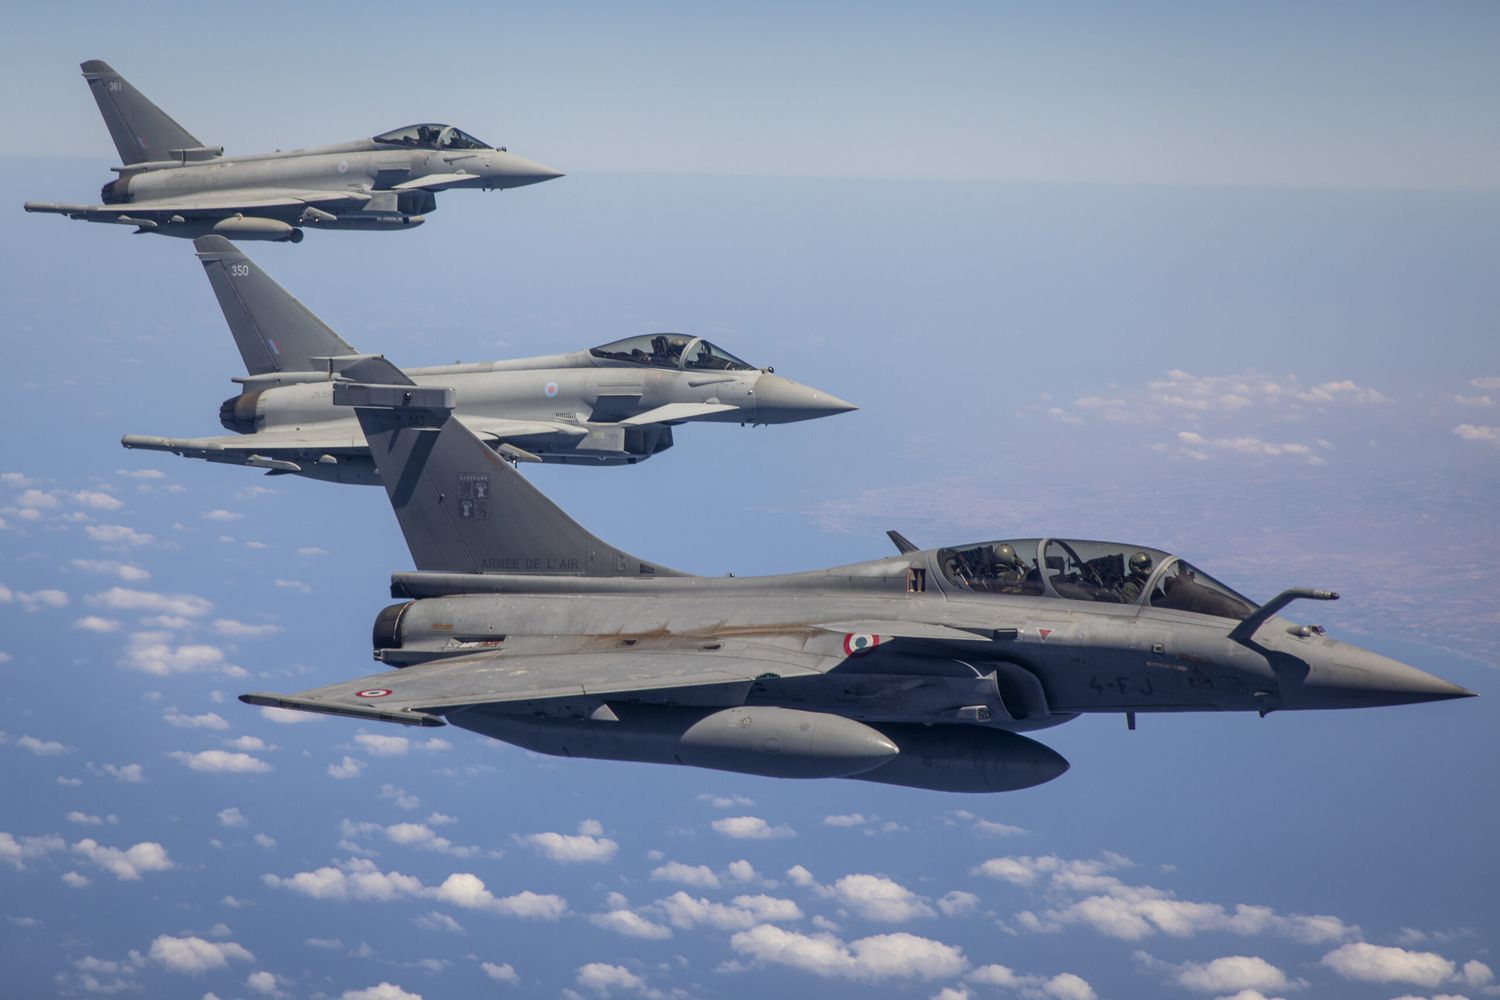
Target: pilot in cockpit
x=1135 y=581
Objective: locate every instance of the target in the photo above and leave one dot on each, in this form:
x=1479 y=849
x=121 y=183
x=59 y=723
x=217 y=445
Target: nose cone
x=1356 y=678
x=507 y=170
x=781 y=401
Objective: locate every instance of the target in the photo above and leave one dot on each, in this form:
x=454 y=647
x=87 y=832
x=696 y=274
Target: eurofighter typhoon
x=922 y=669
x=171 y=183
x=616 y=404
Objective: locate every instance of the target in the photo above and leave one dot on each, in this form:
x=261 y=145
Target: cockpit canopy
x=431 y=136
x=672 y=350
x=1102 y=572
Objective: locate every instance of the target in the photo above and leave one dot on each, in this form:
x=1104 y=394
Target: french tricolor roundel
x=550 y=389
x=373 y=693
x=860 y=642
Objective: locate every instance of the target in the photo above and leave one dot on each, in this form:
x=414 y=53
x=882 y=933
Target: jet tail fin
x=462 y=508
x=140 y=129
x=274 y=332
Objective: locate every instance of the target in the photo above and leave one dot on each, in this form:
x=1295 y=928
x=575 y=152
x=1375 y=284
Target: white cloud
x=382 y=746
x=229 y=626
x=194 y=954
x=742 y=871
x=846 y=820
x=1233 y=973
x=42 y=748
x=73 y=880
x=221 y=762
x=958 y=903
x=94 y=623
x=742 y=913
x=468 y=890
x=15 y=851
x=1379 y=964
x=603 y=979
x=630 y=924
x=1477 y=974
x=262 y=982
x=434 y=921
x=1478 y=432
x=84 y=819
x=346 y=768
x=871 y=959
x=126 y=865
x=110 y=567
x=357 y=879
x=128 y=599
x=208 y=720
x=96 y=499
x=154 y=653
x=35 y=600
x=117 y=534
x=265 y=840
x=1133 y=912
x=501 y=972
x=695 y=875
x=221 y=515
x=232 y=817
x=750 y=828
x=586 y=845
x=37 y=500
x=383 y=991
x=875 y=897
x=1063 y=986
x=125 y=774
x=725 y=801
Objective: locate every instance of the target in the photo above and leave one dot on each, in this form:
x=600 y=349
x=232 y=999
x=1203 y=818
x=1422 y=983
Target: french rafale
x=922 y=669
x=171 y=183
x=613 y=405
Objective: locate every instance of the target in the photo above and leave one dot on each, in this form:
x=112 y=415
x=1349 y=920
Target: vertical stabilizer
x=140 y=129
x=274 y=332
x=462 y=508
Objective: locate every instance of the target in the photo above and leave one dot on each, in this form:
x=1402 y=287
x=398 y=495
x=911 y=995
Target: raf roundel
x=859 y=642
x=373 y=693
x=550 y=389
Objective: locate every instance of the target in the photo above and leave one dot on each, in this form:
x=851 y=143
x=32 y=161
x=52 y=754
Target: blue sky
x=1221 y=283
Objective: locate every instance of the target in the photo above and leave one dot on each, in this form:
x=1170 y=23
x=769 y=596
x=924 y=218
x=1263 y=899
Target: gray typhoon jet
x=920 y=669
x=612 y=405
x=171 y=183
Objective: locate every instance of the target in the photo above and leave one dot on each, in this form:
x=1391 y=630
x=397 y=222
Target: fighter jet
x=173 y=184
x=921 y=669
x=613 y=405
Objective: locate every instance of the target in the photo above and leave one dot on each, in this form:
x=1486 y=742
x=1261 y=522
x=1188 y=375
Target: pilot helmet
x=1005 y=555
x=1140 y=563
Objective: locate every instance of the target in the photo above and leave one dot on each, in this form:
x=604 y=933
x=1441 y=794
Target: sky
x=1215 y=280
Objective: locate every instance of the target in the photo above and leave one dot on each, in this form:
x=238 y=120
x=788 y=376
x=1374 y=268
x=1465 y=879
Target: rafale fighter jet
x=918 y=670
x=173 y=184
x=613 y=405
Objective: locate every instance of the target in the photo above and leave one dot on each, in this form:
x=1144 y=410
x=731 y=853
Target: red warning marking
x=373 y=693
x=1044 y=632
x=859 y=642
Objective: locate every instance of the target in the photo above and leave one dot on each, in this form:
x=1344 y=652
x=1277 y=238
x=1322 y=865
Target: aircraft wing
x=419 y=695
x=209 y=204
x=283 y=449
x=265 y=449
